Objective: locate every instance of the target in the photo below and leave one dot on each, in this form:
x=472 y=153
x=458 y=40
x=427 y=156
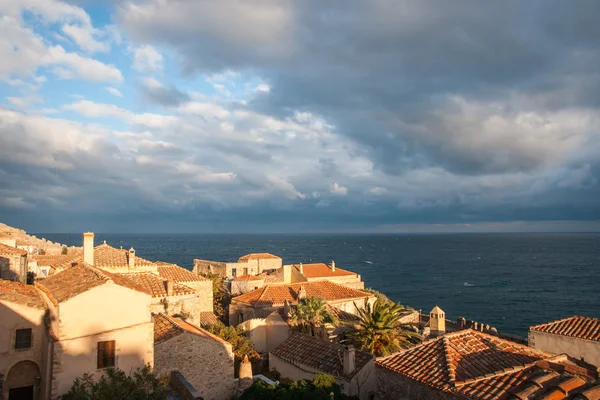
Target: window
x=234 y=271
x=106 y=354
x=245 y=271
x=23 y=339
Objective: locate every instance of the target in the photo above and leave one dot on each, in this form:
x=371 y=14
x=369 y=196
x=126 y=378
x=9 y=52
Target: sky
x=299 y=116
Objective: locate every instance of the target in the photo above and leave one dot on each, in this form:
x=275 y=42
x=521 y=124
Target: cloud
x=338 y=190
x=114 y=91
x=147 y=59
x=377 y=191
x=83 y=36
x=24 y=101
x=166 y=96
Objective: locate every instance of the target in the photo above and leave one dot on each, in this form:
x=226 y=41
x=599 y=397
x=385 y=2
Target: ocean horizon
x=508 y=280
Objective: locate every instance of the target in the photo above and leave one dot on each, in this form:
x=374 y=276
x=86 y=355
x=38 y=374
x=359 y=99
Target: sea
x=509 y=281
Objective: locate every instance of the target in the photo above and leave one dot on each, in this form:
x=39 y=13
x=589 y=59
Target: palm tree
x=310 y=316
x=379 y=330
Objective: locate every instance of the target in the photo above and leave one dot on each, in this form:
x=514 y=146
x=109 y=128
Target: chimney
x=88 y=248
x=131 y=258
x=333 y=265
x=301 y=293
x=349 y=359
x=169 y=287
x=301 y=268
x=245 y=374
x=437 y=321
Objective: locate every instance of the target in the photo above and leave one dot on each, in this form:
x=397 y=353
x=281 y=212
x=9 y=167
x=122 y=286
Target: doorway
x=22 y=393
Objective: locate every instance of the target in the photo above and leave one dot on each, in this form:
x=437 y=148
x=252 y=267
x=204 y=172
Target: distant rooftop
x=11 y=251
x=167 y=327
x=258 y=256
x=321 y=270
x=19 y=293
x=153 y=284
x=176 y=273
x=576 y=326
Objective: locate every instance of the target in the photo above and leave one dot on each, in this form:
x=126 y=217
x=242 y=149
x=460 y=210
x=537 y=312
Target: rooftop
x=176 y=273
x=19 y=293
x=576 y=326
x=258 y=256
x=59 y=261
x=106 y=256
x=321 y=270
x=276 y=294
x=319 y=354
x=11 y=251
x=153 y=284
x=78 y=279
x=167 y=327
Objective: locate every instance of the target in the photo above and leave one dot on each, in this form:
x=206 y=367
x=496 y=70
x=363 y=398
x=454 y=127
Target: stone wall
x=210 y=267
x=13 y=268
x=268 y=264
x=393 y=386
x=245 y=286
x=205 y=363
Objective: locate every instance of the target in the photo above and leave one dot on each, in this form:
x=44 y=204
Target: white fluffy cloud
x=114 y=91
x=83 y=36
x=146 y=59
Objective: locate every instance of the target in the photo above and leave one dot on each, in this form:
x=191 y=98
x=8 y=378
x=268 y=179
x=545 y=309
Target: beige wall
x=205 y=363
x=74 y=357
x=365 y=380
x=241 y=287
x=277 y=331
x=352 y=281
x=103 y=308
x=12 y=317
x=587 y=350
x=269 y=264
x=13 y=268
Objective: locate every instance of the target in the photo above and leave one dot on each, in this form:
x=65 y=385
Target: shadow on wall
x=5 y=271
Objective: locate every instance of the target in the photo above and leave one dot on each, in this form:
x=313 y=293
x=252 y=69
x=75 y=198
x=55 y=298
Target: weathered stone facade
x=207 y=364
x=393 y=386
x=13 y=267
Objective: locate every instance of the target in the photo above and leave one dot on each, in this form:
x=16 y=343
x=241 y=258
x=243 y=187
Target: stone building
x=261 y=302
x=473 y=365
x=302 y=357
x=246 y=283
x=320 y=272
x=23 y=342
x=253 y=264
x=13 y=263
x=576 y=336
x=96 y=320
x=205 y=360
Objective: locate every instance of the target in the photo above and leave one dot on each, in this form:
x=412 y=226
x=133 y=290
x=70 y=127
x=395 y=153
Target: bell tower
x=437 y=321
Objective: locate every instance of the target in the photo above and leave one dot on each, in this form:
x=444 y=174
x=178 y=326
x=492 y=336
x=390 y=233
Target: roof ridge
x=96 y=271
x=450 y=369
x=557 y=321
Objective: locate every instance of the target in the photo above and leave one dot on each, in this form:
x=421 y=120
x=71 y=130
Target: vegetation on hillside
x=240 y=344
x=221 y=297
x=321 y=388
x=143 y=384
x=379 y=330
x=310 y=316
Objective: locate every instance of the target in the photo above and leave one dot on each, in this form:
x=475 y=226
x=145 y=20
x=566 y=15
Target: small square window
x=234 y=271
x=106 y=354
x=23 y=339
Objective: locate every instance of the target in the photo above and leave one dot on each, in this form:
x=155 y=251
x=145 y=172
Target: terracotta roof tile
x=60 y=261
x=475 y=365
x=270 y=278
x=167 y=327
x=19 y=293
x=175 y=273
x=258 y=256
x=341 y=315
x=208 y=318
x=106 y=256
x=152 y=284
x=276 y=294
x=576 y=326
x=11 y=251
x=78 y=279
x=322 y=355
x=321 y=270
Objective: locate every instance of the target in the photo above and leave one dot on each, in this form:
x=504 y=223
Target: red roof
x=19 y=293
x=576 y=326
x=321 y=270
x=247 y=277
x=167 y=327
x=258 y=256
x=153 y=285
x=476 y=365
x=11 y=251
x=276 y=295
x=176 y=273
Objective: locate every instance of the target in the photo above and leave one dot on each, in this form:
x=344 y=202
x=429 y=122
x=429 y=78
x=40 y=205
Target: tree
x=310 y=316
x=321 y=388
x=114 y=384
x=221 y=297
x=64 y=250
x=379 y=330
x=240 y=344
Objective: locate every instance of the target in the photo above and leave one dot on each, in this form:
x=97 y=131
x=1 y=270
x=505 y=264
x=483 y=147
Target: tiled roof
x=175 y=273
x=321 y=270
x=11 y=251
x=208 y=318
x=270 y=278
x=342 y=315
x=258 y=256
x=276 y=294
x=247 y=277
x=322 y=355
x=59 y=261
x=19 y=293
x=78 y=279
x=459 y=358
x=106 y=256
x=167 y=327
x=579 y=327
x=152 y=284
